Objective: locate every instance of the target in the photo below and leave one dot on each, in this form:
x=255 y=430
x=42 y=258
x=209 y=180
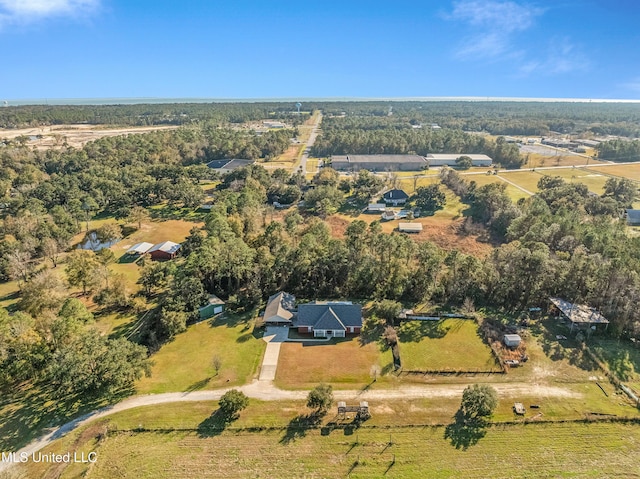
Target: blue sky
x=309 y=48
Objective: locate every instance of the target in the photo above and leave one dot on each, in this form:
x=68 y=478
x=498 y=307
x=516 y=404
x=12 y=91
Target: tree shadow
x=198 y=385
x=215 y=424
x=243 y=338
x=415 y=331
x=464 y=431
x=298 y=427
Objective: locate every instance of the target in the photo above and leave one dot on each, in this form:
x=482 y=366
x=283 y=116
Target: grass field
x=622 y=170
x=185 y=364
x=340 y=363
x=514 y=193
x=126 y=448
x=452 y=344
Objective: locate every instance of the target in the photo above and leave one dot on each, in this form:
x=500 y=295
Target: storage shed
x=512 y=340
x=410 y=227
x=139 y=249
x=165 y=250
x=214 y=306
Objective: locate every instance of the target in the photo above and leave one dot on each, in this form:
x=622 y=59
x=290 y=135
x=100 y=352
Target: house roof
x=213 y=299
x=280 y=307
x=140 y=248
x=579 y=313
x=166 y=247
x=395 y=195
x=376 y=206
x=633 y=216
x=228 y=163
x=329 y=320
x=330 y=315
x=512 y=337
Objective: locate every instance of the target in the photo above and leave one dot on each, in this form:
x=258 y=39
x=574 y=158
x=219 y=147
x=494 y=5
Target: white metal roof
x=166 y=247
x=410 y=226
x=140 y=248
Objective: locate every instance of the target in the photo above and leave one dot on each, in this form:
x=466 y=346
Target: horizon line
x=168 y=100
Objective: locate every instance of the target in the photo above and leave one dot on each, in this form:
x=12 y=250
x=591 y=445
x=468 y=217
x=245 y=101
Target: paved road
x=312 y=139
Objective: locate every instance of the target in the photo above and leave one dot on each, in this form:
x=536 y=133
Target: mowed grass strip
x=185 y=364
x=452 y=344
x=339 y=362
x=506 y=451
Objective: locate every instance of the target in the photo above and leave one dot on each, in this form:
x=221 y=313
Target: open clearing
x=288 y=449
x=342 y=363
x=185 y=364
x=452 y=344
x=46 y=137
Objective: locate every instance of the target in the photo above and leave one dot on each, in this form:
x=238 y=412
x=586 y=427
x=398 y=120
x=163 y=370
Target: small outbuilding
x=376 y=208
x=139 y=249
x=164 y=250
x=512 y=340
x=580 y=316
x=388 y=215
x=214 y=306
x=410 y=227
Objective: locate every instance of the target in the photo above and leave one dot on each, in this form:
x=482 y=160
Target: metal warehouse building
x=379 y=162
x=449 y=159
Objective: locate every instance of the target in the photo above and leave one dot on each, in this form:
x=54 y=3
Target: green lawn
x=452 y=344
x=185 y=364
x=342 y=363
x=126 y=447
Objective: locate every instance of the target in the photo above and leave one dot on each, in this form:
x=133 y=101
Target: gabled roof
x=140 y=248
x=279 y=307
x=329 y=320
x=346 y=315
x=395 y=195
x=166 y=247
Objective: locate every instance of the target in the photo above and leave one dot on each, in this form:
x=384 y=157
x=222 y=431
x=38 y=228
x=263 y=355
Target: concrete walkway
x=274 y=337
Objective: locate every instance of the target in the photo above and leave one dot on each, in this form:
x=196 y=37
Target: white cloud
x=562 y=57
x=493 y=26
x=26 y=11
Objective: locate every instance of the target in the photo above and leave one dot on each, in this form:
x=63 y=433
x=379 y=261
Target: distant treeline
x=495 y=117
x=503 y=118
x=146 y=114
x=619 y=150
x=393 y=135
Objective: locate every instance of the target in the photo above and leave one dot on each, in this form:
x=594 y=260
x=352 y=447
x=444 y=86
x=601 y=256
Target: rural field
x=274 y=443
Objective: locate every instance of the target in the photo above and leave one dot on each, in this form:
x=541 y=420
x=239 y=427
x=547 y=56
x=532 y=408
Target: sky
x=242 y=49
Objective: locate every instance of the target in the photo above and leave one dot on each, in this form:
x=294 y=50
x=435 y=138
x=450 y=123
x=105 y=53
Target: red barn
x=164 y=250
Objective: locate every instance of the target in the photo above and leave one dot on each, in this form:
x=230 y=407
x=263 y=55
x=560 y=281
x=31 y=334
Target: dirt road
x=267 y=391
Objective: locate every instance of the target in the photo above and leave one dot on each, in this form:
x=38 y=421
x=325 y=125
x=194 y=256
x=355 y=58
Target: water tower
x=298 y=105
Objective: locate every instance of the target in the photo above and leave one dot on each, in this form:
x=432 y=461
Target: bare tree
x=19 y=266
x=51 y=250
x=216 y=362
x=138 y=215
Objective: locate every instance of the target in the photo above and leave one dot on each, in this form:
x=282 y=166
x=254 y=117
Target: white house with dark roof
x=329 y=319
x=395 y=197
x=280 y=308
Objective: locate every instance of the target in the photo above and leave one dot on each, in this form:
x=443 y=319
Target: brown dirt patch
x=448 y=234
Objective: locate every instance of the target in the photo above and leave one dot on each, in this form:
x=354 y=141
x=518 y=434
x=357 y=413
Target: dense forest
x=391 y=135
x=494 y=117
x=147 y=114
